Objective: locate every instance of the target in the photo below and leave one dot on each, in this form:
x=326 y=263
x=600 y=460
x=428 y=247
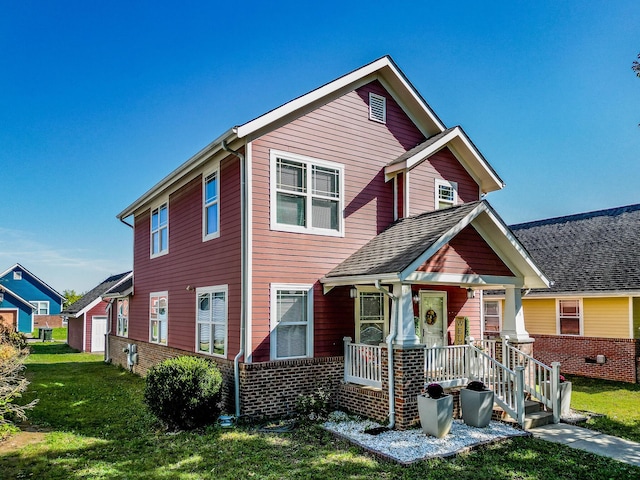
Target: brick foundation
x=577 y=356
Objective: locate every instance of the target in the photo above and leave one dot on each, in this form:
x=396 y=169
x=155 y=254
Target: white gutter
x=390 y=338
x=243 y=262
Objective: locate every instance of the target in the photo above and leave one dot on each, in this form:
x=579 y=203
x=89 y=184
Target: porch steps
x=534 y=415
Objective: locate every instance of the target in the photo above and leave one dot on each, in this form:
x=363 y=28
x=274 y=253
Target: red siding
x=75 y=329
x=467 y=253
x=341 y=132
x=444 y=166
x=190 y=262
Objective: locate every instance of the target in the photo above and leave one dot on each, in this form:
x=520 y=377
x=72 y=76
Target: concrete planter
x=436 y=414
x=565 y=398
x=477 y=407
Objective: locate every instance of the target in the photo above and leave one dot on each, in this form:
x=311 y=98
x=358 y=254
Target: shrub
x=12 y=381
x=435 y=390
x=476 y=386
x=314 y=407
x=184 y=392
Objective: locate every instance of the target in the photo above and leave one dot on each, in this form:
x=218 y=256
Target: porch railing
x=540 y=381
x=362 y=363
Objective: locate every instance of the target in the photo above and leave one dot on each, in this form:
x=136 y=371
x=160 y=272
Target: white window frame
x=373 y=99
x=444 y=183
x=122 y=320
x=17 y=275
x=499 y=302
x=275 y=288
x=206 y=205
x=358 y=316
x=211 y=322
x=158 y=230
x=580 y=317
x=38 y=304
x=309 y=163
x=159 y=319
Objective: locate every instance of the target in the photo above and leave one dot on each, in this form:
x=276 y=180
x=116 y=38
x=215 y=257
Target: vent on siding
x=377 y=108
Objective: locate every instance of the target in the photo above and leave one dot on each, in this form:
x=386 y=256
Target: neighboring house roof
x=592 y=252
x=462 y=147
x=5 y=290
x=399 y=250
x=387 y=73
x=17 y=266
x=94 y=296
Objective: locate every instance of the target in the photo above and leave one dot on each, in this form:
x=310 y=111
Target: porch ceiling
x=396 y=253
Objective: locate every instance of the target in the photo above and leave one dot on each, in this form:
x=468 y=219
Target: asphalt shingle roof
x=94 y=293
x=421 y=146
x=588 y=252
x=401 y=243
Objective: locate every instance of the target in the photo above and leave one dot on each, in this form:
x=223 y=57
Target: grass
x=59 y=334
x=98 y=428
x=616 y=402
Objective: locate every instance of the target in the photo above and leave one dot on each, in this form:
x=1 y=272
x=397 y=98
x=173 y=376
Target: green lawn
x=98 y=428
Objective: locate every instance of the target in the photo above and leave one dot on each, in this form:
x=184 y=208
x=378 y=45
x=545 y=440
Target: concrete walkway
x=590 y=441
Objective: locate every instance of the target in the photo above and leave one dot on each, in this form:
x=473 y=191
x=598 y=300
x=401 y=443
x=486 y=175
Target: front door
x=433 y=318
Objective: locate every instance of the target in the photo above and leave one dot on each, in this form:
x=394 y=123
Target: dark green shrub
x=476 y=386
x=314 y=407
x=184 y=392
x=435 y=390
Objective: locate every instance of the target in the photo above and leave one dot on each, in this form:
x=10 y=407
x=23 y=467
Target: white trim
x=377 y=108
x=406 y=211
x=84 y=333
x=207 y=173
x=249 y=260
x=274 y=155
x=580 y=319
x=444 y=183
x=118 y=300
x=483 y=301
x=463 y=279
x=37 y=311
x=274 y=288
x=164 y=293
x=158 y=205
x=356 y=311
x=26 y=303
x=631 y=317
x=87 y=308
x=395 y=198
x=36 y=278
x=208 y=290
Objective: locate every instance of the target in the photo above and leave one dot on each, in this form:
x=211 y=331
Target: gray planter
x=477 y=407
x=436 y=415
x=565 y=398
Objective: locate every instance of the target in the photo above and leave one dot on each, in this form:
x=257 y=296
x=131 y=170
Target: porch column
x=513 y=316
x=402 y=313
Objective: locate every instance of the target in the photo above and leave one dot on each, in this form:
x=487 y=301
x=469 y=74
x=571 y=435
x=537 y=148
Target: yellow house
x=589 y=319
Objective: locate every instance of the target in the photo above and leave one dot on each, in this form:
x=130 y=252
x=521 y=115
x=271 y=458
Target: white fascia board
x=194 y=162
x=86 y=309
x=442 y=241
x=464 y=280
x=18 y=297
x=498 y=236
x=44 y=284
x=550 y=295
x=359 y=280
x=383 y=69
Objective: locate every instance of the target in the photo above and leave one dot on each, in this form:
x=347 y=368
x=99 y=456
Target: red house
x=329 y=242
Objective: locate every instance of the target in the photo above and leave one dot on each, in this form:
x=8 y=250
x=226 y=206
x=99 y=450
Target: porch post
x=513 y=318
x=402 y=312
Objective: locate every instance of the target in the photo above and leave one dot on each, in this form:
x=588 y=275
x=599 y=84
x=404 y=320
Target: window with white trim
x=122 y=314
x=377 y=108
x=211 y=208
x=211 y=320
x=569 y=317
x=41 y=307
x=291 y=321
x=17 y=275
x=160 y=230
x=306 y=195
x=446 y=194
x=158 y=317
x=372 y=316
x=492 y=318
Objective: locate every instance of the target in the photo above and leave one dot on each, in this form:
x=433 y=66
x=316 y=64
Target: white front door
x=433 y=318
x=98 y=331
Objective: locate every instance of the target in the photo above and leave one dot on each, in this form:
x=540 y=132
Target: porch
x=515 y=377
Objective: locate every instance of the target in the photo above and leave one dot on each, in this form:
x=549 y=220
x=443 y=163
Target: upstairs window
x=123 y=317
x=377 y=108
x=160 y=230
x=569 y=313
x=306 y=195
x=211 y=209
x=17 y=275
x=41 y=307
x=446 y=194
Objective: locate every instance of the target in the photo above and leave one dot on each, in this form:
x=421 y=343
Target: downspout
x=390 y=338
x=107 y=359
x=243 y=269
x=109 y=319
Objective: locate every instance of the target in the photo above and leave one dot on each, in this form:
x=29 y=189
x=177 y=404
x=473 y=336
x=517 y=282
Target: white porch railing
x=362 y=364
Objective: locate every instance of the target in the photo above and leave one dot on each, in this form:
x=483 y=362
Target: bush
x=476 y=386
x=314 y=407
x=435 y=390
x=184 y=392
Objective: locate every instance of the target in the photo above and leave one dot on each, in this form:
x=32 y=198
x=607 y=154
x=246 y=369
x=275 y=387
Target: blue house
x=27 y=301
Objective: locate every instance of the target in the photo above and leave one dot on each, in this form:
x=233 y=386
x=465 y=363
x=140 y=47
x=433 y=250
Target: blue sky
x=100 y=100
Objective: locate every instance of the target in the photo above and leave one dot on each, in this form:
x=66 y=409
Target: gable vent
x=377 y=108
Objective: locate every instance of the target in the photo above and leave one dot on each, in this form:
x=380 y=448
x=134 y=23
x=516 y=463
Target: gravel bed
x=408 y=446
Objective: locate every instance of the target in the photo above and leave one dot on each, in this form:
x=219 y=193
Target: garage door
x=98 y=330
